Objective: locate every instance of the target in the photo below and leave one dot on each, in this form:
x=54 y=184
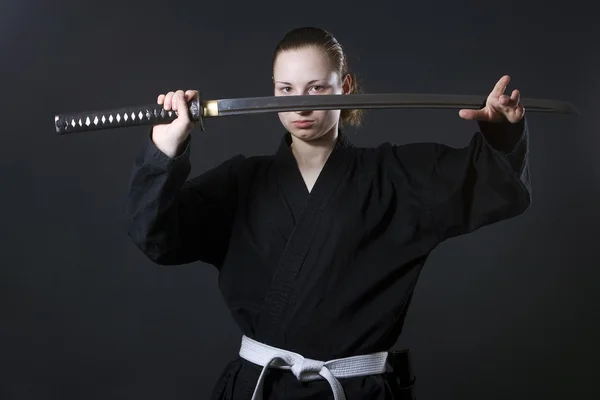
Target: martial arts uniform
x=326 y=274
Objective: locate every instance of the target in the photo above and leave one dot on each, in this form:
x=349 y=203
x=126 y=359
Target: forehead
x=303 y=64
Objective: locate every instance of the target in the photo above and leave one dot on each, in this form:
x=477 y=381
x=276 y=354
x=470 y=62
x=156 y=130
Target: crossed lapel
x=306 y=209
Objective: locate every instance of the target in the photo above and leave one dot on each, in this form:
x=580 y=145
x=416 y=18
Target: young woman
x=319 y=246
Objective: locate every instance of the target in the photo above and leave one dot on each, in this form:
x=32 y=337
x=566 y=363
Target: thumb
x=181 y=107
x=471 y=114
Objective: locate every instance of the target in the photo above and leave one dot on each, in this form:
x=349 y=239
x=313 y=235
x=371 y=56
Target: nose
x=304 y=113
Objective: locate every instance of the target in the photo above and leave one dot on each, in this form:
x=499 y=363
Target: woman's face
x=307 y=71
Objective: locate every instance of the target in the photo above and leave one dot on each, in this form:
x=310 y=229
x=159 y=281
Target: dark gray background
x=506 y=312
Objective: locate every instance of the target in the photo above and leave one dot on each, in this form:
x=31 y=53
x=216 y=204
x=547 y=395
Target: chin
x=317 y=131
x=306 y=134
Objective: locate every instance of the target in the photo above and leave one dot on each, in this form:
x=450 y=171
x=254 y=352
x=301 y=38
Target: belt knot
x=306 y=367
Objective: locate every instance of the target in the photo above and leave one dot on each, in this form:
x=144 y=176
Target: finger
x=514 y=115
x=181 y=106
x=500 y=86
x=520 y=111
x=190 y=94
x=471 y=114
x=160 y=99
x=499 y=103
x=515 y=97
x=175 y=99
x=506 y=103
x=503 y=101
x=168 y=101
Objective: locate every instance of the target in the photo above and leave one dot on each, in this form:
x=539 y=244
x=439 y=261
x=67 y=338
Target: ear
x=347 y=84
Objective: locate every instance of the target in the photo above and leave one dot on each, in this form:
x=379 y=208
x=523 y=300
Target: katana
x=199 y=109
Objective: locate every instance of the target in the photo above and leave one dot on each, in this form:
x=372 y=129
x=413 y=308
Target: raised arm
x=487 y=181
x=172 y=219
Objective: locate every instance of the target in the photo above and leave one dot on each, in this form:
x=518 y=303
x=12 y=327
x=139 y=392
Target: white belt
x=306 y=369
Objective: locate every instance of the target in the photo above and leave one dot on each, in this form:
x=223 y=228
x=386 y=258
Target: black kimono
x=328 y=273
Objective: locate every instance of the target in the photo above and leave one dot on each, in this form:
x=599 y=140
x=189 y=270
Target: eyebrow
x=313 y=81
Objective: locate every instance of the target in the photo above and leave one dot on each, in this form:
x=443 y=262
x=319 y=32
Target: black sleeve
x=466 y=188
x=175 y=220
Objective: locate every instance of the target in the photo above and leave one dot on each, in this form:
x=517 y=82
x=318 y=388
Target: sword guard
x=196 y=111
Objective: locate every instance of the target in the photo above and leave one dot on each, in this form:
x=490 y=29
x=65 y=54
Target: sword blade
x=154 y=114
x=254 y=105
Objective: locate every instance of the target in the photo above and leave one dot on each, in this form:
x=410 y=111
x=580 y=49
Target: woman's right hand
x=169 y=137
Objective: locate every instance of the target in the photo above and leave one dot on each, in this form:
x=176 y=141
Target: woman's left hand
x=498 y=106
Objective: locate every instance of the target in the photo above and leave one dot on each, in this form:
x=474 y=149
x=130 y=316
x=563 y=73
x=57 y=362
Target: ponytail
x=353 y=117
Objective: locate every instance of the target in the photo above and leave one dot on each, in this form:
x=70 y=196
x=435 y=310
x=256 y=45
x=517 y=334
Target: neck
x=314 y=154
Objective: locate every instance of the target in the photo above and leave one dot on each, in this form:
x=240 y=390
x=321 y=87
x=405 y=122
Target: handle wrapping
x=151 y=114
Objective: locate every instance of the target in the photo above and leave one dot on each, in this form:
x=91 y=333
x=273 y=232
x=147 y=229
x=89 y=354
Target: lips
x=304 y=123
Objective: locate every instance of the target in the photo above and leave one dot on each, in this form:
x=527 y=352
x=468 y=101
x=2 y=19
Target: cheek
x=329 y=115
x=286 y=119
x=283 y=116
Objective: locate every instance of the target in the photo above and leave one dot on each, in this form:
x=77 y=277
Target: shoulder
x=249 y=164
x=241 y=167
x=231 y=174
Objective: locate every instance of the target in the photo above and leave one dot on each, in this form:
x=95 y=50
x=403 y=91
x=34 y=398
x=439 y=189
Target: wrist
x=170 y=149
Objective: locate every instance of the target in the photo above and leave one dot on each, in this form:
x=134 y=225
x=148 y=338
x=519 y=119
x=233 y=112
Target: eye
x=318 y=88
x=285 y=89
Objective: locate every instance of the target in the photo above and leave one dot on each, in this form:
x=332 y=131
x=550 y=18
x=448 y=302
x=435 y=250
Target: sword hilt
x=150 y=114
